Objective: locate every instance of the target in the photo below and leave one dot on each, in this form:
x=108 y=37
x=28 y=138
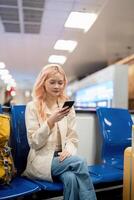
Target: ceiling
x=29 y=30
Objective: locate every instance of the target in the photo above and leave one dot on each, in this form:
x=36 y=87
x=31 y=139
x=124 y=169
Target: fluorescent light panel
x=2 y=65
x=68 y=45
x=57 y=59
x=3 y=72
x=80 y=20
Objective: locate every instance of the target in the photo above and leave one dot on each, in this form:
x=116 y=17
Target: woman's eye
x=52 y=82
x=60 y=83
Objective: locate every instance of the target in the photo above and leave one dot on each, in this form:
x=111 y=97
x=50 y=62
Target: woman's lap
x=74 y=170
x=70 y=163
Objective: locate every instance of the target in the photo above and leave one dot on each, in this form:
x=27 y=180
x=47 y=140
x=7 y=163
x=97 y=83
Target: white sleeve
x=72 y=137
x=37 y=134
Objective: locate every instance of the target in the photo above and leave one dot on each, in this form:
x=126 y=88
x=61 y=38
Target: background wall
x=118 y=74
x=89 y=137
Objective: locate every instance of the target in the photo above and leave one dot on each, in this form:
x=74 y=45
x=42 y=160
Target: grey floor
x=115 y=194
x=56 y=198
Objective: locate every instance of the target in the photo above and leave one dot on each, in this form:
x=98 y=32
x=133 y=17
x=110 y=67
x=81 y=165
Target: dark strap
x=56 y=153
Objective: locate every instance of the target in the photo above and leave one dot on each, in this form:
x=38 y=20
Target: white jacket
x=42 y=141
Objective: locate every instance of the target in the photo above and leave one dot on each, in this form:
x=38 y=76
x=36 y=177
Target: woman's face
x=54 y=85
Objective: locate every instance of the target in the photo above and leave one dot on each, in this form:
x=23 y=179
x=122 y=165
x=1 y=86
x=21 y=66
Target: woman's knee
x=79 y=161
x=68 y=178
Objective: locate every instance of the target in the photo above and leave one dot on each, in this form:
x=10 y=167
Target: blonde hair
x=39 y=93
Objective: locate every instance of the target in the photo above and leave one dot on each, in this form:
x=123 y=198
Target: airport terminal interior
x=93 y=40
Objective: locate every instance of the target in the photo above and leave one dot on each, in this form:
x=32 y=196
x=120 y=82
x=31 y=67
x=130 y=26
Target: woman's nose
x=56 y=85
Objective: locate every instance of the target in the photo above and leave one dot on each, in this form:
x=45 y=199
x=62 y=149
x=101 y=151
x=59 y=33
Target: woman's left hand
x=63 y=155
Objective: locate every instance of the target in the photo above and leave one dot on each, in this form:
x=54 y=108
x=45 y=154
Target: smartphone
x=68 y=104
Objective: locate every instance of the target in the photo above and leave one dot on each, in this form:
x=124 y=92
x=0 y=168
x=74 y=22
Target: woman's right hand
x=57 y=116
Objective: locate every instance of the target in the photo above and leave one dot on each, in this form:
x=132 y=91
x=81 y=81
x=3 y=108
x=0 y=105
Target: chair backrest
x=19 y=143
x=0 y=109
x=115 y=128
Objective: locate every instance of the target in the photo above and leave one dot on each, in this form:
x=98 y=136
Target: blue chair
x=19 y=186
x=115 y=128
x=0 y=109
x=105 y=173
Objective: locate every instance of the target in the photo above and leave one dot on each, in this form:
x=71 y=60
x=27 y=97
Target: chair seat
x=116 y=163
x=57 y=186
x=50 y=186
x=106 y=173
x=18 y=187
x=96 y=179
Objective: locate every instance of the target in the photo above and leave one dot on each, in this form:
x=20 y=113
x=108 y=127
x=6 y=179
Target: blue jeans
x=73 y=172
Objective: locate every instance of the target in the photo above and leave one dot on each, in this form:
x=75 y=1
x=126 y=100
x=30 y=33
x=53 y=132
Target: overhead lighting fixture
x=80 y=20
x=68 y=45
x=2 y=65
x=3 y=72
x=6 y=77
x=57 y=59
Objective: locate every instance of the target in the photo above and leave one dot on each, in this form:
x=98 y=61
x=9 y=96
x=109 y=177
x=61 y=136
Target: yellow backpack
x=7 y=169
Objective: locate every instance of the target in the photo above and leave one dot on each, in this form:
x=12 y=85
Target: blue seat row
x=115 y=124
x=21 y=148
x=115 y=128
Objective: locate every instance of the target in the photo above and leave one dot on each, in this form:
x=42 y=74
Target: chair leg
x=127 y=174
x=132 y=184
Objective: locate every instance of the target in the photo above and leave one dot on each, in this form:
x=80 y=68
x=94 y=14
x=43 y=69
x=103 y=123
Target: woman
x=52 y=137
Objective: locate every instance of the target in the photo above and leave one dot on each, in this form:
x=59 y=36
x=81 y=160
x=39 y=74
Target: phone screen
x=68 y=104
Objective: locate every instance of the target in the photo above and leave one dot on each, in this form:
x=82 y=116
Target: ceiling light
x=6 y=77
x=57 y=59
x=3 y=72
x=80 y=20
x=68 y=45
x=2 y=65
